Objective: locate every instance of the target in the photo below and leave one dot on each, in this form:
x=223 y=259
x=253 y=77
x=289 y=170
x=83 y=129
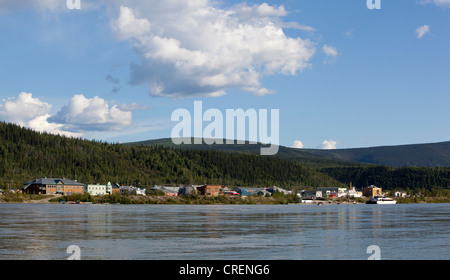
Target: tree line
x=26 y=155
x=391 y=178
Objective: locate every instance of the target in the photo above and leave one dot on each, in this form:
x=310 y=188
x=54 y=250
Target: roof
x=53 y=181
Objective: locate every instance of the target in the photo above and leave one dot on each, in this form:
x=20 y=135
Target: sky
x=340 y=74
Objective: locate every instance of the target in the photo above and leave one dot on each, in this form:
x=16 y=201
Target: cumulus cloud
x=297 y=144
x=328 y=145
x=191 y=48
x=74 y=119
x=92 y=114
x=422 y=30
x=30 y=112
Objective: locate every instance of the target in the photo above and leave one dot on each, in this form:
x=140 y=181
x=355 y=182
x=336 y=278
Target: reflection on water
x=44 y=231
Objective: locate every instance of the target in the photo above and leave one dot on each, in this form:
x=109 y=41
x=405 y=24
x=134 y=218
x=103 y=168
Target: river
x=225 y=232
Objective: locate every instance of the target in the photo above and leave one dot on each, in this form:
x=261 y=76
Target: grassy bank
x=125 y=199
x=9 y=197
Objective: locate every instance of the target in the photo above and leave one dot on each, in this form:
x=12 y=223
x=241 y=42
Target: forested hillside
x=26 y=155
x=347 y=166
x=392 y=178
x=423 y=155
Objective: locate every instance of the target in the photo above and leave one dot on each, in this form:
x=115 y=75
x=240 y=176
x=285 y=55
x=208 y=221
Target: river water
x=225 y=232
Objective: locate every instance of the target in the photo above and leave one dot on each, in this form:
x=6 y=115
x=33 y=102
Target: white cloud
x=94 y=114
x=328 y=145
x=331 y=52
x=30 y=112
x=79 y=116
x=422 y=30
x=192 y=48
x=297 y=144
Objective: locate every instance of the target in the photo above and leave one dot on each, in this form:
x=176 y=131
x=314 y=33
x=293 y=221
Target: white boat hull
x=381 y=200
x=386 y=202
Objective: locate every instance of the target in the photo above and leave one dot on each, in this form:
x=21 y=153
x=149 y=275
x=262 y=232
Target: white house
x=400 y=194
x=131 y=190
x=352 y=192
x=99 y=189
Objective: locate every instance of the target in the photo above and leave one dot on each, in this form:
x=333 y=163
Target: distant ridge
x=423 y=155
x=419 y=155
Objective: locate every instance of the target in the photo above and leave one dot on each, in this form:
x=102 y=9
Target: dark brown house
x=210 y=190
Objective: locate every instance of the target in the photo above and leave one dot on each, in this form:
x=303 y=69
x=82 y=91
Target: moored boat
x=381 y=200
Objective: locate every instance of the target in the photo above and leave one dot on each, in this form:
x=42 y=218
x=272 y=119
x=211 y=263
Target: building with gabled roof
x=53 y=186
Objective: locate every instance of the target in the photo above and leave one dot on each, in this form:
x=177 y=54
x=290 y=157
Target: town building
x=210 y=190
x=53 y=186
x=372 y=191
x=99 y=189
x=248 y=191
x=310 y=194
x=131 y=190
x=168 y=191
x=188 y=190
x=400 y=194
x=274 y=189
x=115 y=189
x=353 y=192
x=332 y=191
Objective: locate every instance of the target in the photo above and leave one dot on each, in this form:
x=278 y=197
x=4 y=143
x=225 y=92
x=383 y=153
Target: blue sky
x=336 y=70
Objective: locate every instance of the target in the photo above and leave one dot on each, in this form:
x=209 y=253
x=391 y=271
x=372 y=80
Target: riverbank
x=195 y=200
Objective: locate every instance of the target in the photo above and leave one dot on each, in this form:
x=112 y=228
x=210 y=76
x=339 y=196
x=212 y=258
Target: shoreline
x=178 y=200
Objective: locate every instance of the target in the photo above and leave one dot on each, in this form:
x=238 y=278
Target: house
x=210 y=190
x=131 y=190
x=168 y=191
x=274 y=189
x=372 y=191
x=115 y=189
x=187 y=190
x=400 y=194
x=247 y=191
x=99 y=189
x=332 y=191
x=311 y=194
x=352 y=192
x=53 y=186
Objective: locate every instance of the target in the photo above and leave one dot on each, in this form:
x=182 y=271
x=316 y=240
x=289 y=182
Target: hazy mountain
x=426 y=155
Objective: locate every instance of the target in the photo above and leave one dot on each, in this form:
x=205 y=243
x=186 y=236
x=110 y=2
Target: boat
x=381 y=200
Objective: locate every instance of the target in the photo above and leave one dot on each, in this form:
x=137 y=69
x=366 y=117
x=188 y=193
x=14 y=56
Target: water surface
x=224 y=232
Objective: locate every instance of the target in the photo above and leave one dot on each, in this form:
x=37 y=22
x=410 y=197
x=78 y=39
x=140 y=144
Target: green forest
x=26 y=155
x=391 y=178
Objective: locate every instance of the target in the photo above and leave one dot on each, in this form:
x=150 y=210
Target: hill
x=26 y=154
x=425 y=155
x=407 y=167
x=418 y=155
